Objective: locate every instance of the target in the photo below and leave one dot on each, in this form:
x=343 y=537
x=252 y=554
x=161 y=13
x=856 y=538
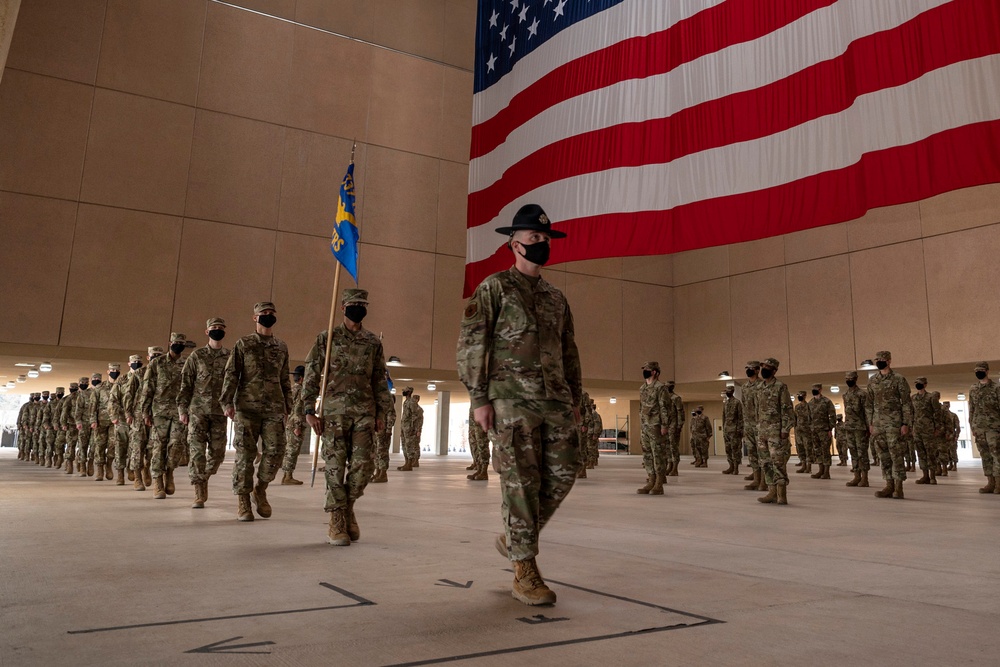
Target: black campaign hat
x=531 y=217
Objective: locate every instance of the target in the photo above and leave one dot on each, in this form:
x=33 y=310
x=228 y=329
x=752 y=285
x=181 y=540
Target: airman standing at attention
x=44 y=429
x=748 y=391
x=674 y=439
x=944 y=440
x=594 y=452
x=926 y=428
x=775 y=418
x=822 y=419
x=295 y=430
x=68 y=426
x=383 y=441
x=803 y=433
x=984 y=418
x=116 y=409
x=954 y=433
x=890 y=416
x=732 y=431
x=99 y=418
x=656 y=415
x=855 y=429
x=84 y=455
x=58 y=434
x=23 y=449
x=138 y=446
x=701 y=435
x=167 y=435
x=412 y=423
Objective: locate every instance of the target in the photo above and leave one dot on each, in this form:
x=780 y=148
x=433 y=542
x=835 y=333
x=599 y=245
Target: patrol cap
x=946 y=404
x=407 y=389
x=135 y=359
x=883 y=355
x=45 y=393
x=651 y=366
x=215 y=322
x=155 y=349
x=817 y=386
x=671 y=383
x=753 y=364
x=261 y=306
x=84 y=380
x=770 y=361
x=982 y=366
x=114 y=367
x=74 y=385
x=354 y=295
x=299 y=371
x=532 y=218
x=921 y=380
x=701 y=407
x=800 y=395
x=851 y=375
x=95 y=376
x=60 y=390
x=936 y=394
x=178 y=338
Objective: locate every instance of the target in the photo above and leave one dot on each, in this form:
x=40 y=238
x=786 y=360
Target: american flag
x=647 y=127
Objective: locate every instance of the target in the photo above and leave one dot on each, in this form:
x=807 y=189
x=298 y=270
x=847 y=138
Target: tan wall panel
x=283 y=8
x=756 y=255
x=554 y=276
x=459 y=42
x=820 y=317
x=129 y=163
x=35 y=254
x=235 y=170
x=654 y=269
x=415 y=26
x=452 y=207
x=456 y=115
x=8 y=17
x=882 y=226
x=961 y=209
x=647 y=329
x=448 y=310
x=330 y=84
x=314 y=166
x=703 y=334
x=60 y=38
x=153 y=48
x=596 y=304
x=405 y=112
x=610 y=267
x=401 y=285
x=760 y=318
x=122 y=277
x=43 y=134
x=815 y=243
x=890 y=304
x=223 y=271
x=355 y=18
x=303 y=285
x=401 y=191
x=246 y=64
x=697 y=265
x=962 y=294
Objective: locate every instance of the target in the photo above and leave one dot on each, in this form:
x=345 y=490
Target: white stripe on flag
x=926 y=106
x=820 y=36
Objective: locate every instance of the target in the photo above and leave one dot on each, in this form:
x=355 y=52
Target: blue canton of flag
x=508 y=30
x=344 y=242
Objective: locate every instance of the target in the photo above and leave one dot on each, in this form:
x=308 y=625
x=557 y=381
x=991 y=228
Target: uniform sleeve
x=231 y=376
x=314 y=373
x=475 y=346
x=188 y=376
x=831 y=415
x=904 y=394
x=666 y=405
x=571 y=358
x=380 y=388
x=787 y=411
x=148 y=388
x=286 y=383
x=679 y=411
x=869 y=404
x=114 y=400
x=739 y=417
x=93 y=407
x=936 y=404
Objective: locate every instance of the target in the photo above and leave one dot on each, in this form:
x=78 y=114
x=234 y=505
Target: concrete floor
x=98 y=574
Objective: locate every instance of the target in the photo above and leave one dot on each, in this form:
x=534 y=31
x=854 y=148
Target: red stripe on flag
x=876 y=62
x=959 y=158
x=706 y=32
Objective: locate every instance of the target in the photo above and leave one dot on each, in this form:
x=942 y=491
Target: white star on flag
x=512 y=43
x=493 y=19
x=533 y=28
x=524 y=14
x=503 y=34
x=491 y=63
x=559 y=9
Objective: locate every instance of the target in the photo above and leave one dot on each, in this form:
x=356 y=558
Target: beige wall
x=8 y=17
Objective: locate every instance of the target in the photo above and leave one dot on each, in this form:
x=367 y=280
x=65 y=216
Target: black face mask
x=136 y=366
x=919 y=386
x=267 y=321
x=217 y=334
x=355 y=313
x=815 y=392
x=84 y=385
x=699 y=412
x=881 y=365
x=670 y=387
x=851 y=383
x=73 y=391
x=114 y=375
x=751 y=372
x=59 y=395
x=766 y=373
x=95 y=383
x=537 y=253
x=177 y=348
x=729 y=394
x=981 y=375
x=646 y=374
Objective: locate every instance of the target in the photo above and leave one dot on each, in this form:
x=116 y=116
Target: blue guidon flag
x=647 y=127
x=344 y=242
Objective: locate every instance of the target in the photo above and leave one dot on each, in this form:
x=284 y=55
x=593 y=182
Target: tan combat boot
x=996 y=485
x=168 y=485
x=147 y=477
x=158 y=492
x=864 y=479
x=415 y=462
x=82 y=469
x=943 y=472
x=138 y=484
x=529 y=587
x=771 y=497
x=826 y=472
x=991 y=485
x=925 y=479
x=483 y=474
x=856 y=480
x=644 y=489
x=501 y=544
x=131 y=475
x=119 y=477
x=243 y=512
x=887 y=491
x=473 y=466
x=90 y=468
x=658 y=483
x=353 y=529
x=405 y=467
x=288 y=480
x=736 y=469
x=782 y=494
x=100 y=472
x=750 y=476
x=380 y=477
x=337 y=532
x=898 y=489
x=259 y=498
x=581 y=473
x=933 y=473
x=199 y=501
x=755 y=481
x=763 y=482
x=819 y=473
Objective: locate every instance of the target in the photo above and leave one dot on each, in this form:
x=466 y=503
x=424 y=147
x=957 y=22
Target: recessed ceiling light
x=32 y=373
x=45 y=367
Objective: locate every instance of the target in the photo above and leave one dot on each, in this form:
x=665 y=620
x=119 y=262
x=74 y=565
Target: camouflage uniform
x=516 y=351
x=887 y=410
x=296 y=420
x=984 y=418
x=838 y=441
x=116 y=410
x=68 y=425
x=586 y=428
x=822 y=419
x=59 y=435
x=412 y=423
x=46 y=435
x=198 y=399
x=748 y=393
x=926 y=427
x=99 y=418
x=656 y=413
x=167 y=435
x=855 y=428
x=81 y=409
x=356 y=398
x=701 y=435
x=775 y=418
x=23 y=441
x=256 y=383
x=138 y=446
x=479 y=443
x=732 y=431
x=383 y=441
x=675 y=438
x=803 y=432
x=952 y=430
x=594 y=453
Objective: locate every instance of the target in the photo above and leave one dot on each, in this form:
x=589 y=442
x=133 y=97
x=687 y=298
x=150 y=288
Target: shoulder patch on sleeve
x=471 y=309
